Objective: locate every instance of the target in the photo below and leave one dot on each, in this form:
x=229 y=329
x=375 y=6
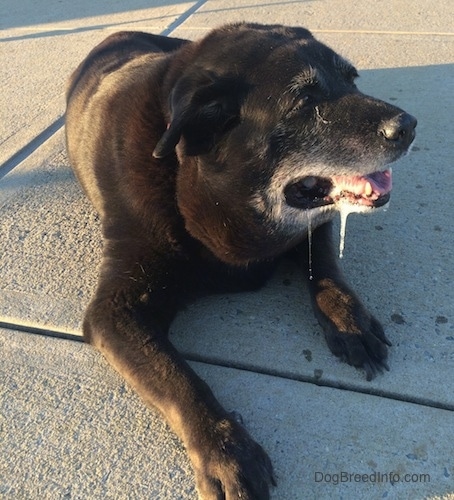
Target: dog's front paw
x=363 y=346
x=230 y=465
x=352 y=333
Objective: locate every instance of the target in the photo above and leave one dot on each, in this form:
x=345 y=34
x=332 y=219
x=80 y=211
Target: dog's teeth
x=368 y=189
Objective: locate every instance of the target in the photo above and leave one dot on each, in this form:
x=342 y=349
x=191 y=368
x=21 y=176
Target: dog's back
x=115 y=51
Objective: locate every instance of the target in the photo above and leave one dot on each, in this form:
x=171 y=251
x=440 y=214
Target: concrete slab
x=47 y=275
x=41 y=47
x=60 y=428
x=70 y=428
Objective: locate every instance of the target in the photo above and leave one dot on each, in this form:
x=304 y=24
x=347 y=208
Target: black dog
x=207 y=162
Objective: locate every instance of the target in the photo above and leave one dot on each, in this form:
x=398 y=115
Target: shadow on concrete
x=26 y=13
x=69 y=31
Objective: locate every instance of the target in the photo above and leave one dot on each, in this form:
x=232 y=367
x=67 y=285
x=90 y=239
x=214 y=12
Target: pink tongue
x=381 y=182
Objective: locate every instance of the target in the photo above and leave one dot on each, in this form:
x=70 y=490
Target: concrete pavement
x=70 y=428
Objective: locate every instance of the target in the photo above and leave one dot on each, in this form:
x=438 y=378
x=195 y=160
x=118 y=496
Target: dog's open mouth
x=372 y=190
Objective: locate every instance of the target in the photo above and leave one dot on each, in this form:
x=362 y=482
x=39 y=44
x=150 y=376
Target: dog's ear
x=203 y=107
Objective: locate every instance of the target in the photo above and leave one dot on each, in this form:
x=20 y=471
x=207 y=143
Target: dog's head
x=271 y=132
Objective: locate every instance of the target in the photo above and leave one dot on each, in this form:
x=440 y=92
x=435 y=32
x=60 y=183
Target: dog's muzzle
x=368 y=191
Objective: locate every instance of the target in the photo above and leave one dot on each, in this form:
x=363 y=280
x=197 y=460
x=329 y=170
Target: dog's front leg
x=127 y=321
x=352 y=333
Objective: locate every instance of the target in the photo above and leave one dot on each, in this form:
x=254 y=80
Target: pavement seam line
x=27 y=150
x=183 y=17
x=425 y=402
x=213 y=361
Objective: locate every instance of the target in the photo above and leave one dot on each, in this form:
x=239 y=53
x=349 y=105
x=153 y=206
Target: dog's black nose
x=400 y=129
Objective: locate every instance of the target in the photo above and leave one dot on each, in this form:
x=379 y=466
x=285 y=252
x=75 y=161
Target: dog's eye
x=304 y=101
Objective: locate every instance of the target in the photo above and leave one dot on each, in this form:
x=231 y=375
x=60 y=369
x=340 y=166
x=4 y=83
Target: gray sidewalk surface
x=71 y=428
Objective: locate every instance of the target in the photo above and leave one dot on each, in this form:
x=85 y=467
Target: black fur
x=205 y=161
